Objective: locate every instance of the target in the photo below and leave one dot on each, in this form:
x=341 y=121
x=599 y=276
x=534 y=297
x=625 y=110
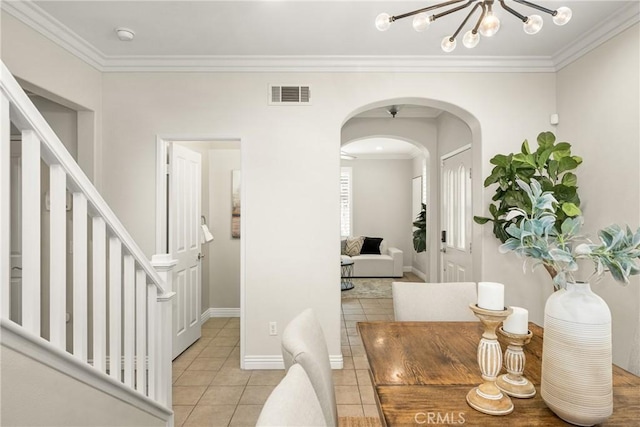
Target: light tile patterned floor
x=210 y=389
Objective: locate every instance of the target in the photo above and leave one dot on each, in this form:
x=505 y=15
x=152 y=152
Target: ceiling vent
x=289 y=95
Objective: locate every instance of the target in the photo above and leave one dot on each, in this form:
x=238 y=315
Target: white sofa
x=388 y=264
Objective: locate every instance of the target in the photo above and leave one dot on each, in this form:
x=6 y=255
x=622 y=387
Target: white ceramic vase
x=576 y=356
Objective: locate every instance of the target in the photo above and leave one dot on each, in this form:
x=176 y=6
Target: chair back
x=436 y=302
x=292 y=403
x=303 y=342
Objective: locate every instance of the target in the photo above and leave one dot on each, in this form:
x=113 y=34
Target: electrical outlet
x=273 y=328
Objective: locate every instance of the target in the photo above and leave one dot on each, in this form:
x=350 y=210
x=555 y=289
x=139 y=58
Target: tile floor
x=210 y=389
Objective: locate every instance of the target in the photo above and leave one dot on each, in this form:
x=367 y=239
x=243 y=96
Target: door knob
x=200 y=256
x=443 y=250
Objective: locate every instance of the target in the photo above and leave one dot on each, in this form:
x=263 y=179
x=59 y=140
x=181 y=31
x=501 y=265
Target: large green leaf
x=543 y=157
x=525 y=147
x=571 y=209
x=569 y=179
x=546 y=139
x=567 y=164
x=553 y=170
x=481 y=220
x=500 y=160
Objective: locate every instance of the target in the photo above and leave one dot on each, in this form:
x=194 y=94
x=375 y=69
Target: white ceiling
x=307 y=35
x=300 y=29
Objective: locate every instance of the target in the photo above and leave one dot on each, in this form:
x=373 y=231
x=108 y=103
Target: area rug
x=373 y=287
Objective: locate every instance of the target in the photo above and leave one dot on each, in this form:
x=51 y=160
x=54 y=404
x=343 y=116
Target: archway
x=427 y=135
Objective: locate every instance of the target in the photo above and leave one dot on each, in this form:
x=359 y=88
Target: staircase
x=90 y=343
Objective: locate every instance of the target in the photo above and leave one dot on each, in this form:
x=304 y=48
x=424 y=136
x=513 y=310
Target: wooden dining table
x=422 y=372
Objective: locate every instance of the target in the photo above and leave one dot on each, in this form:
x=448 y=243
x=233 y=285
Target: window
x=345 y=202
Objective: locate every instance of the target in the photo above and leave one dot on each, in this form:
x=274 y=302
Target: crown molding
x=607 y=30
x=333 y=64
x=35 y=17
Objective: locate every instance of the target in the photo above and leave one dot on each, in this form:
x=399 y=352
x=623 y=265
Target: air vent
x=289 y=95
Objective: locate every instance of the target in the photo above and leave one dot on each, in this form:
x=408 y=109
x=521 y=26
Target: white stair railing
x=121 y=305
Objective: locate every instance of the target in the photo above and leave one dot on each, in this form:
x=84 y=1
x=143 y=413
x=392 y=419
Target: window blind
x=345 y=201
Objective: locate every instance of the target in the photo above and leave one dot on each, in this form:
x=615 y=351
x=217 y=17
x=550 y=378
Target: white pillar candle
x=517 y=322
x=491 y=296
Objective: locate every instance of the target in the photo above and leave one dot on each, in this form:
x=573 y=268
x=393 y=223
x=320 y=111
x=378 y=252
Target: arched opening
x=438 y=131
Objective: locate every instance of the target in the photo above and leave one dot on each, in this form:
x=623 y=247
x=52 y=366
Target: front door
x=456 y=218
x=184 y=243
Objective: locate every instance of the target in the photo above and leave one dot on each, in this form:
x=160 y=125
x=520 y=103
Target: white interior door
x=456 y=218
x=184 y=243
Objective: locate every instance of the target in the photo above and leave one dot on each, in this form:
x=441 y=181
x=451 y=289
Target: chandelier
x=487 y=24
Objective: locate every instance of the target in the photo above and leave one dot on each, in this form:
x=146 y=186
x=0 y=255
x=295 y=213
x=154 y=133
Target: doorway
x=218 y=260
x=438 y=127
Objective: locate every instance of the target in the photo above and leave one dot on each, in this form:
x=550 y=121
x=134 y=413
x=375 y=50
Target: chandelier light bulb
x=490 y=25
x=470 y=39
x=448 y=44
x=421 y=22
x=382 y=22
x=533 y=24
x=562 y=16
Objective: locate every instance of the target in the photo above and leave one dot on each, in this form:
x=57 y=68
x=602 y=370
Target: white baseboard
x=419 y=273
x=220 y=312
x=276 y=362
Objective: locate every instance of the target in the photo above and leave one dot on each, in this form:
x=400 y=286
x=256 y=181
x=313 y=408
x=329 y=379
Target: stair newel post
x=164 y=264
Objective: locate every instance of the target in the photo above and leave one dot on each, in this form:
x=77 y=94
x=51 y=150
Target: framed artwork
x=235 y=204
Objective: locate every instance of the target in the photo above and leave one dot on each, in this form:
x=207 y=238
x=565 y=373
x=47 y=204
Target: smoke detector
x=125 y=34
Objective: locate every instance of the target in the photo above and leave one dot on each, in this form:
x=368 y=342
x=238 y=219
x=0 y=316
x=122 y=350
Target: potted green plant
x=551 y=165
x=576 y=355
x=420 y=234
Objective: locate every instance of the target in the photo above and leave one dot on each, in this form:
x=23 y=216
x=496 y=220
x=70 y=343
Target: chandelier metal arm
x=455 y=9
x=426 y=9
x=482 y=15
x=535 y=6
x=513 y=12
x=466 y=19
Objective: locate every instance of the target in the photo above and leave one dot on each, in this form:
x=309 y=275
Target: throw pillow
x=354 y=245
x=371 y=245
x=343 y=247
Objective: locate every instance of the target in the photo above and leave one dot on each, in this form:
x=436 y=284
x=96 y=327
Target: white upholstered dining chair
x=303 y=343
x=436 y=302
x=292 y=403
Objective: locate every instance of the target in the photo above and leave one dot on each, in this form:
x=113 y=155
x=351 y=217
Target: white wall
x=599 y=110
x=381 y=202
x=290 y=163
x=224 y=251
x=453 y=133
x=48 y=70
x=63 y=121
x=33 y=394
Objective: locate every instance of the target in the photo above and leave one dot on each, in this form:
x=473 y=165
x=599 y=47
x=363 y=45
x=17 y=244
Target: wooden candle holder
x=514 y=383
x=487 y=397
